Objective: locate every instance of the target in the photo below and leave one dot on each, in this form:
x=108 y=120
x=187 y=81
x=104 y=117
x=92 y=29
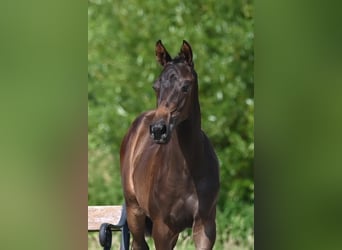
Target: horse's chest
x=174 y=199
x=165 y=188
x=176 y=210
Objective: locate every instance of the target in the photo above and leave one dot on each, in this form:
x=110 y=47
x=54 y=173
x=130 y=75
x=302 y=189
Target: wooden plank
x=102 y=214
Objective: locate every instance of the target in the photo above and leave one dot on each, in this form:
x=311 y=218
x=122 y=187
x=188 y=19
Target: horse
x=169 y=169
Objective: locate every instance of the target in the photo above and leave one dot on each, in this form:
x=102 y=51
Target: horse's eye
x=185 y=88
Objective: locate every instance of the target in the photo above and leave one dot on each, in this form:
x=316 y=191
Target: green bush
x=121 y=71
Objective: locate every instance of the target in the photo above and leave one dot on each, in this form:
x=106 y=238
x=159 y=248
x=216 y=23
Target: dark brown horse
x=169 y=169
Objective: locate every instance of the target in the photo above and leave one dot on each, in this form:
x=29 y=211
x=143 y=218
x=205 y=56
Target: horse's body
x=168 y=166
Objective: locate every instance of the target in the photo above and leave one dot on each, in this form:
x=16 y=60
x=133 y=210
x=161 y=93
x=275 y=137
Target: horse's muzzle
x=160 y=132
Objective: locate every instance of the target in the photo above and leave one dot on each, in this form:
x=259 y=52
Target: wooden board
x=102 y=214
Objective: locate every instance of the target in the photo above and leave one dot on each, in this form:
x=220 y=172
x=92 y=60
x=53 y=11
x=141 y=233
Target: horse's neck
x=191 y=145
x=189 y=135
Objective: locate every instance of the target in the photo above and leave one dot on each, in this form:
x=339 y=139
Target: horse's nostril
x=163 y=129
x=158 y=131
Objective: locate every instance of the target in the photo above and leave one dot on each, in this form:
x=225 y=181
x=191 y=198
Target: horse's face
x=175 y=89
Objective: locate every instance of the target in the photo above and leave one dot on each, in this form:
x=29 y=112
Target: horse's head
x=176 y=90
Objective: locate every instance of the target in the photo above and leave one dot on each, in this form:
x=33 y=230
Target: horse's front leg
x=204 y=233
x=136 y=225
x=164 y=238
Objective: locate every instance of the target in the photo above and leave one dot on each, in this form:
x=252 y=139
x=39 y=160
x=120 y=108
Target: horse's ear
x=186 y=53
x=162 y=55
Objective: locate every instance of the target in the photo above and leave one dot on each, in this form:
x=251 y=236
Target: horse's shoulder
x=133 y=132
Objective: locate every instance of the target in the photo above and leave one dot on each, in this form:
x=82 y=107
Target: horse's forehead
x=179 y=69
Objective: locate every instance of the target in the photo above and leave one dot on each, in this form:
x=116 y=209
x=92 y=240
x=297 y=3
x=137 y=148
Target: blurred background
x=43 y=107
x=122 y=69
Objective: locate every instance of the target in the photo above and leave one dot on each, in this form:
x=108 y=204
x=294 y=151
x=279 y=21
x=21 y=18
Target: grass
x=184 y=242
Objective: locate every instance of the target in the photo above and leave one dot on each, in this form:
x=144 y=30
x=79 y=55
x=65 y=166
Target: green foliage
x=121 y=71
